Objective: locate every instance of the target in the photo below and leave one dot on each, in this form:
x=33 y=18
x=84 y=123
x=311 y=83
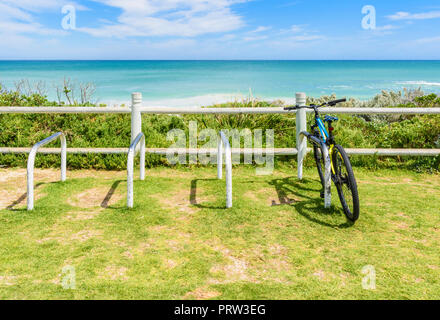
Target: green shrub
x=113 y=130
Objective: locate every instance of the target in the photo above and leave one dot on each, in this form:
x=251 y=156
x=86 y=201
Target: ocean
x=196 y=83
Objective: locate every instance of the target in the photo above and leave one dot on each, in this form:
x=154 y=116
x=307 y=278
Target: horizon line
x=226 y=60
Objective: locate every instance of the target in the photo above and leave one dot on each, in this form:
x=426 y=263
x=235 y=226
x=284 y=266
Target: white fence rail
x=31 y=164
x=277 y=152
x=197 y=110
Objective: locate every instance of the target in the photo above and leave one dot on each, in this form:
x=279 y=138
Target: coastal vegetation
x=113 y=130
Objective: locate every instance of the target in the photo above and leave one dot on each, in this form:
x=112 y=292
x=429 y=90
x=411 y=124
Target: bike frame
x=326 y=136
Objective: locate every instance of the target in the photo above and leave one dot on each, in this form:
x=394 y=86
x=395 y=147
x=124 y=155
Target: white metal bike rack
x=31 y=163
x=327 y=168
x=130 y=166
x=223 y=141
x=327 y=177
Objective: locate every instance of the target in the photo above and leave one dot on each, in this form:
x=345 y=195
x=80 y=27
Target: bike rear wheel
x=345 y=183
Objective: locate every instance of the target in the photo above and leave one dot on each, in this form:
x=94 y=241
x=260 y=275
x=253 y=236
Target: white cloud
x=171 y=44
x=386 y=28
x=7 y=13
x=42 y=5
x=302 y=38
x=17 y=17
x=28 y=28
x=401 y=15
x=258 y=38
x=260 y=29
x=296 y=28
x=429 y=40
x=186 y=18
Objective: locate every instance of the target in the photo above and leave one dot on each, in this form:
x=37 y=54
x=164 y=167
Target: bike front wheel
x=345 y=183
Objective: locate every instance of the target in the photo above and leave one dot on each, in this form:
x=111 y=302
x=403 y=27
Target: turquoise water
x=184 y=83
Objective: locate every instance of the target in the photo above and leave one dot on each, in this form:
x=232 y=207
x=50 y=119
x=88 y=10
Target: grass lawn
x=277 y=242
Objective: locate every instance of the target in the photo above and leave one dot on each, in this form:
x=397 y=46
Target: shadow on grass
x=193 y=195
x=104 y=203
x=108 y=196
x=312 y=208
x=21 y=199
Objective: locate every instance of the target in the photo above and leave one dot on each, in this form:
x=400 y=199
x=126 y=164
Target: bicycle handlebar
x=335 y=102
x=313 y=106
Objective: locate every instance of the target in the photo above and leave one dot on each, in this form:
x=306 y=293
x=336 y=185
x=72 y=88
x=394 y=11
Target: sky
x=219 y=29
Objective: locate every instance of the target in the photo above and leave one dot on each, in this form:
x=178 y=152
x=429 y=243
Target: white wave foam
x=342 y=86
x=196 y=101
x=420 y=83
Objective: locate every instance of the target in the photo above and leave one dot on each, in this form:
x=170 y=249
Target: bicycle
x=341 y=170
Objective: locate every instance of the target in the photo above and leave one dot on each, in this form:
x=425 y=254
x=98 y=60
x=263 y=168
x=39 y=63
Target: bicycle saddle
x=330 y=118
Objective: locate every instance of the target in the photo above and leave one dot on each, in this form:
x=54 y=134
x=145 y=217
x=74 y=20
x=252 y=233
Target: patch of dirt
x=110 y=175
x=270 y=263
x=180 y=241
x=114 y=273
x=94 y=198
x=85 y=235
x=343 y=277
x=11 y=198
x=171 y=264
x=7 y=280
x=81 y=215
x=277 y=249
x=319 y=274
x=7 y=175
x=271 y=196
x=180 y=201
x=235 y=270
x=401 y=214
x=251 y=195
x=400 y=225
x=139 y=250
x=128 y=255
x=170 y=173
x=65 y=237
x=261 y=263
x=13 y=187
x=19 y=175
x=203 y=293
x=16 y=198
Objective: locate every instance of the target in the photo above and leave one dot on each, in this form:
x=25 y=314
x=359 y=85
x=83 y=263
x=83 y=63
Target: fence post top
x=301 y=98
x=136 y=97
